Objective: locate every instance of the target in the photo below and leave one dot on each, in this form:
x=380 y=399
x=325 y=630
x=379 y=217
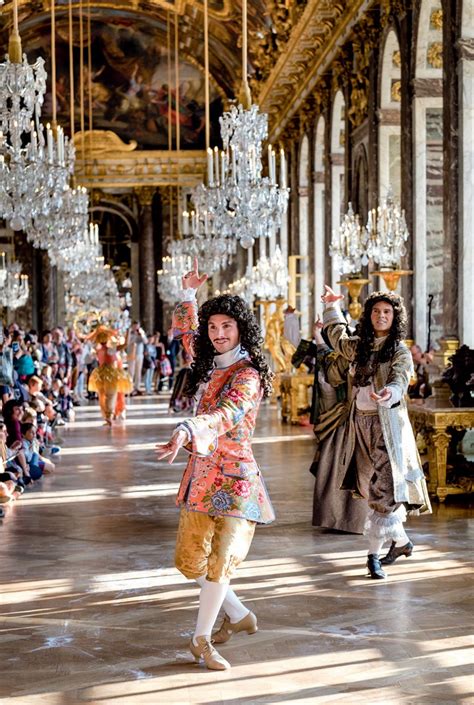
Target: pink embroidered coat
x=222 y=477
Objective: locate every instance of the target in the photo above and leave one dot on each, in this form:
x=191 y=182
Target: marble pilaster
x=466 y=180
x=147 y=260
x=48 y=293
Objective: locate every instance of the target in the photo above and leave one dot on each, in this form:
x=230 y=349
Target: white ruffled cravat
x=230 y=357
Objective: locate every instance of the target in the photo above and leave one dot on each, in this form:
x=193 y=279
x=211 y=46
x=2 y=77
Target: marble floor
x=92 y=610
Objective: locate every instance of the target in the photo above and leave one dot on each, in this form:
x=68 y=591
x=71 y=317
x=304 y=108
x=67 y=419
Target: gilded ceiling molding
x=398 y=8
x=366 y=39
x=323 y=26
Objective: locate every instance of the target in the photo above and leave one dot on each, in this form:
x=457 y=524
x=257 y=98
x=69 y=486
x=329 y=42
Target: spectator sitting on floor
x=38 y=465
x=13 y=465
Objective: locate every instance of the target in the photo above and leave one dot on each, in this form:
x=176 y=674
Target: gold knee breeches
x=211 y=546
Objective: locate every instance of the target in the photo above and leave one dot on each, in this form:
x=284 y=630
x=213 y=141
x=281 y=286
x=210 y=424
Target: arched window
x=320 y=253
x=428 y=176
x=338 y=134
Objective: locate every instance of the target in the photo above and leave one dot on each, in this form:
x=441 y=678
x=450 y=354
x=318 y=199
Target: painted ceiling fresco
x=130 y=87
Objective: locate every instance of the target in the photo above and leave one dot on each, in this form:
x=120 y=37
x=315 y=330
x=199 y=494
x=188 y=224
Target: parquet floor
x=92 y=610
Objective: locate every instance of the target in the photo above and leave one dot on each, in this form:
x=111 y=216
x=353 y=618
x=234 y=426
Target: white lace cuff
x=188 y=295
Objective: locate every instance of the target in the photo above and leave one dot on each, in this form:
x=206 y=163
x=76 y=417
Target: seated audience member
x=38 y=465
x=62 y=400
x=12 y=416
x=13 y=465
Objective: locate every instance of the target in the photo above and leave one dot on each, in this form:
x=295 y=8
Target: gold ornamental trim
x=320 y=32
x=141 y=168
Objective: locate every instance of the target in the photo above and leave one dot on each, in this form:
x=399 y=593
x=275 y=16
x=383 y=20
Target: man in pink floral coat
x=222 y=494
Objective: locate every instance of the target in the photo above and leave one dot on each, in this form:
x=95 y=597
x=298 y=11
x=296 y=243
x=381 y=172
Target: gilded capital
x=145 y=195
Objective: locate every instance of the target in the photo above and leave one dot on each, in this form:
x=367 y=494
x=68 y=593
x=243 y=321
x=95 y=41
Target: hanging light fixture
x=349 y=245
x=238 y=201
x=213 y=250
x=22 y=149
x=15 y=289
x=59 y=212
x=269 y=278
x=387 y=233
x=76 y=244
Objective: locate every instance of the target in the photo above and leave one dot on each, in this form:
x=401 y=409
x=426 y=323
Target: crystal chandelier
x=213 y=252
x=349 y=245
x=269 y=277
x=15 y=290
x=79 y=258
x=59 y=212
x=242 y=287
x=22 y=154
x=387 y=233
x=238 y=201
x=95 y=289
x=169 y=277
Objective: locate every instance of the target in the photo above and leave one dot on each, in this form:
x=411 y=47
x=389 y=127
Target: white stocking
x=233 y=607
x=403 y=540
x=375 y=545
x=210 y=601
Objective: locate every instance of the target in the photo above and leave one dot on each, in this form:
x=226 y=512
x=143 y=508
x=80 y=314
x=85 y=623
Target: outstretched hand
x=177 y=441
x=192 y=280
x=384 y=395
x=330 y=296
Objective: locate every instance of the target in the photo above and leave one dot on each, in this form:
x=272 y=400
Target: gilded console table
x=296 y=394
x=436 y=422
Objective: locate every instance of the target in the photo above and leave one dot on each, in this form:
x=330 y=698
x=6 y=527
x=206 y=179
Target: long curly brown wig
x=250 y=340
x=366 y=359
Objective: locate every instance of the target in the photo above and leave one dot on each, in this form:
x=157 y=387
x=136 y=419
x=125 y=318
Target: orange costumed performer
x=109 y=380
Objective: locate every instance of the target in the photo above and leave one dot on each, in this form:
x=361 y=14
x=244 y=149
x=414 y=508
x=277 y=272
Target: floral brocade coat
x=221 y=477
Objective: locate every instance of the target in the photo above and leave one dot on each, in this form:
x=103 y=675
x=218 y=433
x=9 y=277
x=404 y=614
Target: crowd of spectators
x=43 y=377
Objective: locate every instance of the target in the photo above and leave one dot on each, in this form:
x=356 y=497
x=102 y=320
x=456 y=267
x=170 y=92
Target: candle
x=270 y=163
x=210 y=168
x=60 y=145
x=216 y=165
x=282 y=168
x=234 y=165
x=223 y=167
x=49 y=136
x=185 y=222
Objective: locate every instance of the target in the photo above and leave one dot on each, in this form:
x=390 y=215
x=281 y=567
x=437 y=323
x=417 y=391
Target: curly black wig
x=366 y=361
x=250 y=340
